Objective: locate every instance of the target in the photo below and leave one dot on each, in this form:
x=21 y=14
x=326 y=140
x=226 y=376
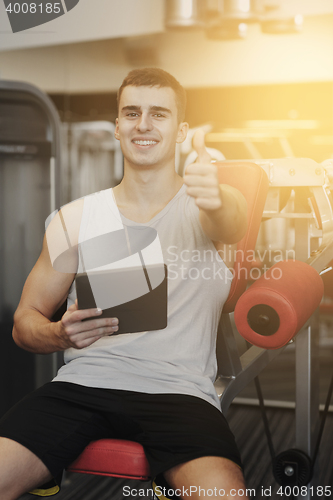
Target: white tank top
x=180 y=358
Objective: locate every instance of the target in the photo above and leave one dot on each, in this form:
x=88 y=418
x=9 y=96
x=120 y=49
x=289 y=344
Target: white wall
x=100 y=65
x=88 y=20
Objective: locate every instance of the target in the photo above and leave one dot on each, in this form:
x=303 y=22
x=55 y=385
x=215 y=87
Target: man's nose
x=144 y=123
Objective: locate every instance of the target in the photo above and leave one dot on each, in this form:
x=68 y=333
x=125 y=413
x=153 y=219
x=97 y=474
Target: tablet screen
x=139 y=294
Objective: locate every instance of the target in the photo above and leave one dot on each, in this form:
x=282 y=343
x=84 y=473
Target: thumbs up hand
x=201 y=177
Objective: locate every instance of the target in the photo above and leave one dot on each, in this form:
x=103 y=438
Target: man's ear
x=182 y=132
x=116 y=132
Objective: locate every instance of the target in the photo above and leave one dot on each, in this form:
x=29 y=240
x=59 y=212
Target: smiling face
x=147 y=126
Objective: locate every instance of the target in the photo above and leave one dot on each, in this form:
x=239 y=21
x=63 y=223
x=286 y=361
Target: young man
x=153 y=386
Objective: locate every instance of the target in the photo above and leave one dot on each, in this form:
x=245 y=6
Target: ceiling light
x=185 y=14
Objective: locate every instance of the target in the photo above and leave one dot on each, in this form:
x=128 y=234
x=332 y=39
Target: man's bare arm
x=44 y=292
x=228 y=223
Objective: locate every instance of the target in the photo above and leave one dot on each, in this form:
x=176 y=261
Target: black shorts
x=58 y=420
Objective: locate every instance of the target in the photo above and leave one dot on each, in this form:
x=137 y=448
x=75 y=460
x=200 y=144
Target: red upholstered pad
x=113 y=457
x=252 y=181
x=293 y=290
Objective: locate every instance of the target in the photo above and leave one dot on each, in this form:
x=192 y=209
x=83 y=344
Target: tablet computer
x=146 y=309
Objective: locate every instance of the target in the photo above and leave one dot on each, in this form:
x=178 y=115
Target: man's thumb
x=200 y=147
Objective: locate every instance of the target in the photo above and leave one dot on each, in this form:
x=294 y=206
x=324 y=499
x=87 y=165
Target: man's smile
x=144 y=143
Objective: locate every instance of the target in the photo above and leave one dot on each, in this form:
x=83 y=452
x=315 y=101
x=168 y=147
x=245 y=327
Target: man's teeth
x=145 y=143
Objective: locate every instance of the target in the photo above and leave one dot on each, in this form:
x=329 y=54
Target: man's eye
x=132 y=114
x=159 y=115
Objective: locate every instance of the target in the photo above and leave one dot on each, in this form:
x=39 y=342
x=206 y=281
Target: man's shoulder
x=74 y=209
x=63 y=226
x=102 y=193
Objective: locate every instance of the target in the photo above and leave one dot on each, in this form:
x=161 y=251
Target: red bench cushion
x=113 y=457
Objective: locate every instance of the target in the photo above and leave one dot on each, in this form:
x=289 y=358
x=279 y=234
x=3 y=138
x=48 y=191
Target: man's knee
x=20 y=470
x=214 y=477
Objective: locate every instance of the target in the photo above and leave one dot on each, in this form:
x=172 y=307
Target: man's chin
x=143 y=161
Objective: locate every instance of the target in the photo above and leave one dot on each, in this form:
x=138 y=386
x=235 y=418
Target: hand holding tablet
x=81 y=328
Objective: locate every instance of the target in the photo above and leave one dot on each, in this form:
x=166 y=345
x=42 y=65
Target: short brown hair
x=156 y=77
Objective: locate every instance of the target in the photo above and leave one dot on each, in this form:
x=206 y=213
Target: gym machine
x=29 y=192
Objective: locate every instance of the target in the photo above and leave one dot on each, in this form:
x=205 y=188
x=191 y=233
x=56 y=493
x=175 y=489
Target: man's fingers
x=90 y=325
x=83 y=333
x=200 y=147
x=77 y=333
x=200 y=181
x=73 y=307
x=208 y=203
x=203 y=192
x=201 y=169
x=80 y=314
x=93 y=331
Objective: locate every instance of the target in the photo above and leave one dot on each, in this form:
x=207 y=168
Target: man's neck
x=147 y=190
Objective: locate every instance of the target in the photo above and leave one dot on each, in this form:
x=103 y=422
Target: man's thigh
x=53 y=425
x=177 y=428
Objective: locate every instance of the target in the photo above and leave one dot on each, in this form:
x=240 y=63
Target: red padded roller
x=277 y=305
x=113 y=457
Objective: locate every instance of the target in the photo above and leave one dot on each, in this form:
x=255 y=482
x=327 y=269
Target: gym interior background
x=259 y=78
